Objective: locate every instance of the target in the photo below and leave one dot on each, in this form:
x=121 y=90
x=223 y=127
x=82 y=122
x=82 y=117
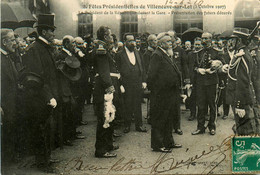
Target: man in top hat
x=240 y=91
x=41 y=102
x=164 y=80
x=206 y=83
x=9 y=88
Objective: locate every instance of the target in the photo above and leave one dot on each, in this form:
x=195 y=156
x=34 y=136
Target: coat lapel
x=138 y=60
x=172 y=63
x=126 y=58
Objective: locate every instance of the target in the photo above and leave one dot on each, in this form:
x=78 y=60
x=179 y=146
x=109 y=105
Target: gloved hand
x=201 y=71
x=209 y=71
x=184 y=97
x=187 y=86
x=108 y=97
x=144 y=85
x=225 y=68
x=240 y=53
x=122 y=89
x=53 y=103
x=240 y=112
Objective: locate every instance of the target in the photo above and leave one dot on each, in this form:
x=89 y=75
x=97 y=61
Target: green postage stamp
x=246 y=154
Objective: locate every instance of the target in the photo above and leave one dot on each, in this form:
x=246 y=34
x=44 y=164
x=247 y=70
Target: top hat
x=46 y=20
x=72 y=62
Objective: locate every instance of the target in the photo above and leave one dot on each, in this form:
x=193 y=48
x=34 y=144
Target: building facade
x=81 y=17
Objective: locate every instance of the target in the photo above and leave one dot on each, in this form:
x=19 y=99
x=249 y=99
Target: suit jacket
x=146 y=59
x=163 y=75
x=8 y=88
x=63 y=81
x=40 y=60
x=124 y=66
x=202 y=60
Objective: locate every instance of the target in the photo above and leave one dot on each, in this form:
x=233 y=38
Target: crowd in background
x=42 y=100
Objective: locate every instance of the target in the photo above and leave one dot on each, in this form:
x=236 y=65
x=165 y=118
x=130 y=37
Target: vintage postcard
x=206 y=152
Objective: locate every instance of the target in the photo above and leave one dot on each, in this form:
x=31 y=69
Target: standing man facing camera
x=133 y=79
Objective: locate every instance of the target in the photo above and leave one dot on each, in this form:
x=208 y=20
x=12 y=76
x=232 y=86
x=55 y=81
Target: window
x=247 y=13
x=129 y=23
x=85 y=24
x=185 y=19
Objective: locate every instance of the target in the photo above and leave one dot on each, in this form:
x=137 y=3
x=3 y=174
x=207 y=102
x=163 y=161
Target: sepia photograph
x=130 y=87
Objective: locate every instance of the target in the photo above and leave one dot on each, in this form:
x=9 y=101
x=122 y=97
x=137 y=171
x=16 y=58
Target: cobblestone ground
x=200 y=154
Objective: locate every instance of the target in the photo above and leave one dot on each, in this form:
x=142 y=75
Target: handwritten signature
x=164 y=163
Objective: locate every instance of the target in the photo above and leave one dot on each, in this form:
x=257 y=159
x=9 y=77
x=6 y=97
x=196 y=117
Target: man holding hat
x=41 y=101
x=206 y=82
x=69 y=73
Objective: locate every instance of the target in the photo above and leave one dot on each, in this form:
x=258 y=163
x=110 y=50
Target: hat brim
x=74 y=77
x=43 y=25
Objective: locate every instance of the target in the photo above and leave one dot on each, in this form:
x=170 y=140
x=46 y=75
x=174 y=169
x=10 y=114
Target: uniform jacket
x=124 y=64
x=8 y=87
x=104 y=64
x=240 y=89
x=202 y=60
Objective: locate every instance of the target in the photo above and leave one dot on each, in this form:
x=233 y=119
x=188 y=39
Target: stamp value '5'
x=246 y=154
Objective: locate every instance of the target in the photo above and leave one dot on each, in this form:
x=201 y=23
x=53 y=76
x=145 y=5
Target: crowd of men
x=46 y=82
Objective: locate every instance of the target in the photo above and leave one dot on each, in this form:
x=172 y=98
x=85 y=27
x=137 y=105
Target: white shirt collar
x=131 y=56
x=67 y=51
x=44 y=40
x=3 y=51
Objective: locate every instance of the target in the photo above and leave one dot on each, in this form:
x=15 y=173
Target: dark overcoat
x=8 y=88
x=164 y=80
x=40 y=60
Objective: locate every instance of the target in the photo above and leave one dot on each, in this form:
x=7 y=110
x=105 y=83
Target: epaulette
x=100 y=47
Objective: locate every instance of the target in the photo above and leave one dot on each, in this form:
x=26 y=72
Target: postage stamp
x=245 y=154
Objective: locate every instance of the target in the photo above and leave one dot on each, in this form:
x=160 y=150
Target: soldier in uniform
x=106 y=74
x=192 y=76
x=240 y=90
x=206 y=82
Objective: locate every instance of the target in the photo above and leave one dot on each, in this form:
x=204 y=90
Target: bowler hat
x=31 y=80
x=71 y=68
x=46 y=20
